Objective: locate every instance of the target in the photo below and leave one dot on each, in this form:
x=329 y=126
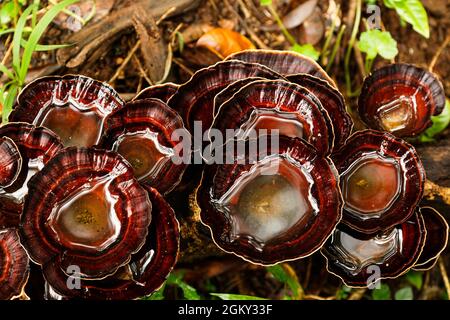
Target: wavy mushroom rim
x=198 y=211
x=432 y=260
x=358 y=285
x=293 y=54
x=193 y=83
x=324 y=114
x=49 y=92
x=433 y=79
x=59 y=170
x=18 y=291
x=162 y=92
x=165 y=222
x=344 y=158
x=15 y=162
x=155 y=116
x=347 y=124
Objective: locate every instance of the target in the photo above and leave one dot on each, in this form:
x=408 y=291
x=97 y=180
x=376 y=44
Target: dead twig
x=444 y=276
x=125 y=61
x=438 y=53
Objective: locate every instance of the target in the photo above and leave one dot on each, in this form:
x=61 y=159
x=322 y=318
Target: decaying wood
x=103 y=33
x=436 y=160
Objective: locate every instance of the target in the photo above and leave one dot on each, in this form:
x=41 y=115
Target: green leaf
x=8 y=12
x=265 y=2
x=413 y=12
x=229 y=296
x=415 y=278
x=37 y=32
x=404 y=294
x=281 y=275
x=440 y=123
x=376 y=42
x=189 y=292
x=307 y=50
x=382 y=293
x=343 y=293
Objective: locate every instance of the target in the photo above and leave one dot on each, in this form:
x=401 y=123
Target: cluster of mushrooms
x=84 y=176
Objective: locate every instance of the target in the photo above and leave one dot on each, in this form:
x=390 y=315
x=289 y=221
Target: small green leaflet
x=404 y=294
x=376 y=42
x=307 y=50
x=413 y=12
x=383 y=293
x=281 y=275
x=415 y=278
x=227 y=296
x=440 y=123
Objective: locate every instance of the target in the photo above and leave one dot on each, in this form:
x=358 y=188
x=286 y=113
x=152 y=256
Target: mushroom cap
x=360 y=260
x=370 y=145
x=10 y=162
x=159 y=124
x=147 y=269
x=162 y=92
x=286 y=221
x=85 y=208
x=194 y=100
x=14 y=265
x=73 y=106
x=400 y=98
x=286 y=63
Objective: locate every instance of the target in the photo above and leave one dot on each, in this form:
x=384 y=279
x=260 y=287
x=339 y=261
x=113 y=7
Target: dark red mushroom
x=86 y=209
x=74 y=107
x=286 y=63
x=194 y=100
x=437 y=238
x=277 y=104
x=382 y=180
x=361 y=260
x=146 y=271
x=332 y=101
x=14 y=265
x=10 y=162
x=278 y=206
x=162 y=92
x=36 y=146
x=400 y=98
x=144 y=133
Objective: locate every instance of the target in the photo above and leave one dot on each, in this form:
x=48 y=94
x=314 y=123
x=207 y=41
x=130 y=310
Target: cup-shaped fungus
x=74 y=107
x=400 y=98
x=282 y=203
x=147 y=269
x=144 y=133
x=361 y=260
x=86 y=209
x=382 y=180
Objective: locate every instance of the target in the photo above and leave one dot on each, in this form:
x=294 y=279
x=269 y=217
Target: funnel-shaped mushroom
x=361 y=260
x=400 y=98
x=282 y=203
x=162 y=92
x=382 y=180
x=86 y=209
x=277 y=104
x=143 y=133
x=146 y=271
x=74 y=107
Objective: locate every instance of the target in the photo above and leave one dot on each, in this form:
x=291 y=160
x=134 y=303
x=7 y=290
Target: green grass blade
x=20 y=26
x=5 y=70
x=45 y=47
x=9 y=102
x=228 y=296
x=37 y=32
